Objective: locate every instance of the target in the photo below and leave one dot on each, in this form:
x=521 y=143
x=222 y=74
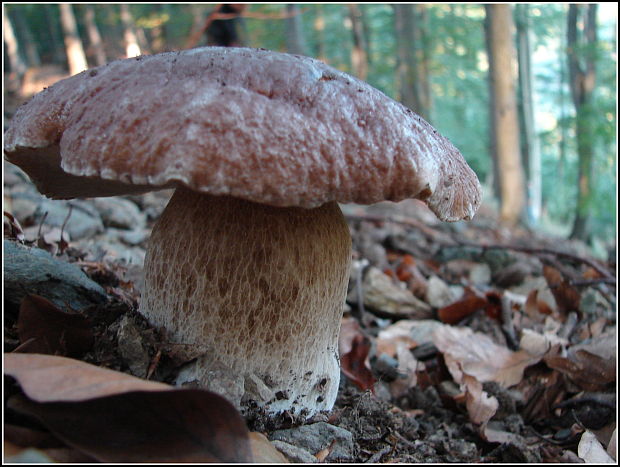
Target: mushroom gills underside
x=256 y=293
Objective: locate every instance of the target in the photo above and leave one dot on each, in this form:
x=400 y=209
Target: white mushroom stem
x=254 y=289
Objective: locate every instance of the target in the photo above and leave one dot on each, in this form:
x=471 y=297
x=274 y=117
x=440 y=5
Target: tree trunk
x=412 y=69
x=294 y=35
x=96 y=44
x=16 y=64
x=27 y=43
x=359 y=55
x=319 y=32
x=73 y=44
x=132 y=49
x=505 y=113
x=529 y=144
x=582 y=38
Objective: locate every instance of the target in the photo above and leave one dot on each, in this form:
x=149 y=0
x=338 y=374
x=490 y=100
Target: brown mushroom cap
x=263 y=126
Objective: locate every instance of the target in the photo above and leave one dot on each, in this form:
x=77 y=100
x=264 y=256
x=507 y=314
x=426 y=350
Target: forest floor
x=464 y=342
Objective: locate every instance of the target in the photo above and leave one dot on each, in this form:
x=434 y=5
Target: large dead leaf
x=591 y=364
x=477 y=355
x=114 y=417
x=44 y=328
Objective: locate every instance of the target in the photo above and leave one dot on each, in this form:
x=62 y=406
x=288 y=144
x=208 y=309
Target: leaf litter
x=460 y=344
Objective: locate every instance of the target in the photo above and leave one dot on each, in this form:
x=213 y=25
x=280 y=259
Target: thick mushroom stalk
x=258 y=290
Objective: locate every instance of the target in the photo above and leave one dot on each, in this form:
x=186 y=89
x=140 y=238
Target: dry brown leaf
x=591 y=364
x=480 y=406
x=477 y=355
x=47 y=378
x=464 y=307
x=566 y=296
x=114 y=417
x=44 y=328
x=534 y=307
x=263 y=452
x=390 y=337
x=355 y=366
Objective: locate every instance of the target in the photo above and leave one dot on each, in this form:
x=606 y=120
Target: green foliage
x=455 y=43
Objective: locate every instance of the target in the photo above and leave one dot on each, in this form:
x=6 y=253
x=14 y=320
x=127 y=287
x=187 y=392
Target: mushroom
x=247 y=268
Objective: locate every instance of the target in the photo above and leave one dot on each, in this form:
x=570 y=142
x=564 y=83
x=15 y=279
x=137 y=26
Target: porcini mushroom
x=248 y=265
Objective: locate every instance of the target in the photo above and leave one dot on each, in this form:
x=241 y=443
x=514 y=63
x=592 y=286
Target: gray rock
x=83 y=222
x=120 y=213
x=318 y=436
x=34 y=271
x=294 y=454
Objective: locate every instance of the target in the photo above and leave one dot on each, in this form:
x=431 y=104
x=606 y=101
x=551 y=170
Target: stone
x=318 y=436
x=30 y=270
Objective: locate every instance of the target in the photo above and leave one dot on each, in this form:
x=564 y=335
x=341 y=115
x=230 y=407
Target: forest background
x=527 y=92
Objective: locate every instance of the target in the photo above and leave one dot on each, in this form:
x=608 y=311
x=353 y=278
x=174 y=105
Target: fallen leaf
x=534 y=307
x=263 y=452
x=477 y=355
x=114 y=417
x=354 y=364
x=389 y=338
x=566 y=296
x=44 y=328
x=462 y=308
x=480 y=405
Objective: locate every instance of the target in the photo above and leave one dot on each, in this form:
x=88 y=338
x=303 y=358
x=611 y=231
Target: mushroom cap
x=268 y=127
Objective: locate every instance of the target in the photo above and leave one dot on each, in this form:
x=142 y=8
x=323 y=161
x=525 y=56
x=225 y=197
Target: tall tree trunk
x=94 y=37
x=132 y=49
x=505 y=113
x=319 y=32
x=27 y=42
x=412 y=69
x=73 y=44
x=16 y=64
x=530 y=143
x=495 y=179
x=581 y=37
x=294 y=35
x=55 y=34
x=359 y=55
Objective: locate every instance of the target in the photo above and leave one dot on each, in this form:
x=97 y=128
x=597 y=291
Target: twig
x=376 y=457
x=607 y=277
x=547 y=251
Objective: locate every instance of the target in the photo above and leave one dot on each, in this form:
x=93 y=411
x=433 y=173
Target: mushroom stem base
x=256 y=293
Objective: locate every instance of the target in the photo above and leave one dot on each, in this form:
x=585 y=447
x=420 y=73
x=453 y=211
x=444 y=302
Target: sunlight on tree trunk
x=359 y=55
x=75 y=51
x=132 y=49
x=412 y=71
x=96 y=44
x=12 y=48
x=508 y=154
x=294 y=34
x=530 y=142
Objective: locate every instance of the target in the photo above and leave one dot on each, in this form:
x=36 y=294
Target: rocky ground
x=460 y=342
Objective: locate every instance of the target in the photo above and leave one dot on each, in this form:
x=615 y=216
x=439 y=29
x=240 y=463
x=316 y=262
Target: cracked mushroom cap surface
x=263 y=126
